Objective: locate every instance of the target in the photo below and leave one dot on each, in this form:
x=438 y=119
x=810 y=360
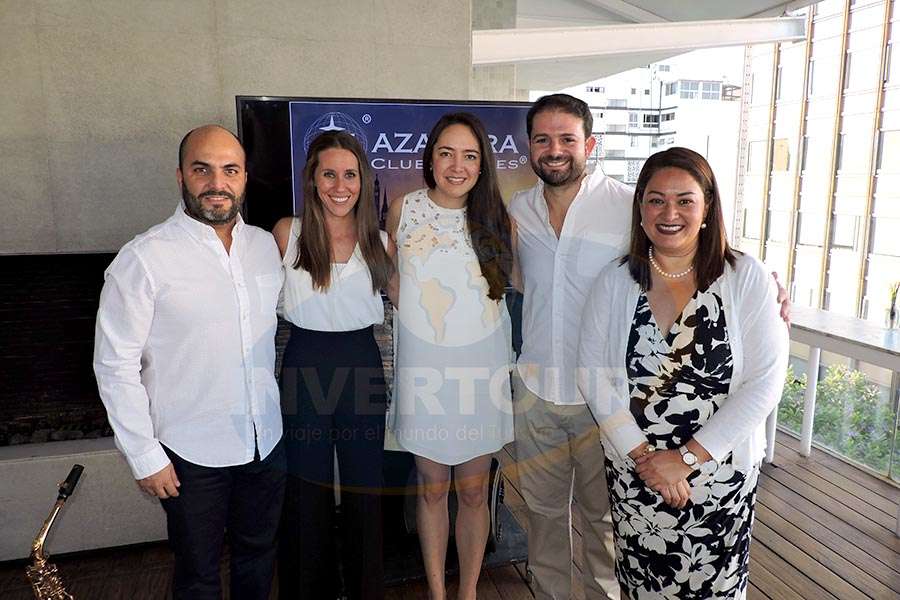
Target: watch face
x=689 y=458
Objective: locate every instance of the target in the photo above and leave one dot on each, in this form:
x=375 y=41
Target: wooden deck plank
x=753 y=593
x=764 y=550
x=509 y=583
x=887 y=555
x=826 y=487
x=856 y=489
x=847 y=564
x=878 y=485
x=768 y=585
x=878 y=528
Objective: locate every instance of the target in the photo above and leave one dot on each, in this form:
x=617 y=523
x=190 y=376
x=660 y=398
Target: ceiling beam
x=627 y=11
x=517 y=46
x=782 y=9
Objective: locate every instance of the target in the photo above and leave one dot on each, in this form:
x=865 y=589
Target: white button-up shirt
x=185 y=345
x=557 y=275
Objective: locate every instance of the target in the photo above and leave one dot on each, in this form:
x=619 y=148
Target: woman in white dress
x=333 y=393
x=451 y=387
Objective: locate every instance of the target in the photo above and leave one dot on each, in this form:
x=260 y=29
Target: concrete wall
x=495 y=82
x=107 y=508
x=96 y=94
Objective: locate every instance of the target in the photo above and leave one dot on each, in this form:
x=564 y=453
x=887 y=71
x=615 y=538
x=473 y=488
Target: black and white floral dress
x=677 y=382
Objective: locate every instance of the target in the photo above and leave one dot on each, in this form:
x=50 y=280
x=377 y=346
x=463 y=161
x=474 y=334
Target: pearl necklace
x=666 y=273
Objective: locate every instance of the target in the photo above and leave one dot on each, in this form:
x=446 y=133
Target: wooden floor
x=823 y=531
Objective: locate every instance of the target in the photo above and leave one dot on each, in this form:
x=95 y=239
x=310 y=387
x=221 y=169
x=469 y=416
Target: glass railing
x=851 y=409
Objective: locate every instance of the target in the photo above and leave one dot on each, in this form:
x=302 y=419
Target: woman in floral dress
x=684 y=356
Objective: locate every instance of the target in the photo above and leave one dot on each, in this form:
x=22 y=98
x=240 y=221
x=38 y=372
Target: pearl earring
x=702 y=225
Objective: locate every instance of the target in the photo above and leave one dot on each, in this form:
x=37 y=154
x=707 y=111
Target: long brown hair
x=486 y=216
x=314 y=245
x=713 y=250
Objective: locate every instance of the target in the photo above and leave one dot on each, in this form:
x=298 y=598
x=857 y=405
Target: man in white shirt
x=185 y=357
x=567 y=228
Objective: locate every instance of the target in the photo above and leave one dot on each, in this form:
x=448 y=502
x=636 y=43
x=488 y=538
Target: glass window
x=845 y=231
x=712 y=90
x=850 y=194
x=756 y=157
x=827 y=28
x=882 y=272
x=690 y=89
x=888 y=156
x=632 y=118
x=843 y=278
x=752 y=224
x=885 y=238
x=671 y=88
x=807 y=267
x=781 y=192
x=778 y=226
x=811 y=230
x=853 y=152
x=829 y=7
x=817 y=155
x=814 y=192
x=866 y=16
x=862 y=69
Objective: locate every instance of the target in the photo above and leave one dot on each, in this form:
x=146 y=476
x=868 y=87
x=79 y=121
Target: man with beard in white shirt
x=185 y=358
x=567 y=228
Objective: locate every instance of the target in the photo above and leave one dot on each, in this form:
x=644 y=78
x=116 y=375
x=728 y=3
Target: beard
x=211 y=216
x=558 y=177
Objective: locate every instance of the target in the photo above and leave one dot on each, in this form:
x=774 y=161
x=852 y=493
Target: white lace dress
x=451 y=396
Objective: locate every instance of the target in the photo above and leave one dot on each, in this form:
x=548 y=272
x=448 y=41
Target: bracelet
x=650 y=448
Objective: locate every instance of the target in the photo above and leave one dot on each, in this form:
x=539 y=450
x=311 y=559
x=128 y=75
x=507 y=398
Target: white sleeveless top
x=454 y=352
x=347 y=305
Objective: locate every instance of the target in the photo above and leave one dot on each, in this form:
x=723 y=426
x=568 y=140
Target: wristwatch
x=689 y=458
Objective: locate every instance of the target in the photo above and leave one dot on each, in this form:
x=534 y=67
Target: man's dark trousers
x=245 y=501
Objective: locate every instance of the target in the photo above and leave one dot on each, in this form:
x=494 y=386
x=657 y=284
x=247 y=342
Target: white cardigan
x=759 y=347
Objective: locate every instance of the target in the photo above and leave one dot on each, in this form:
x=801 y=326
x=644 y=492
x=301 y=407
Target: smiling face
x=337 y=182
x=212 y=176
x=455 y=164
x=672 y=209
x=558 y=147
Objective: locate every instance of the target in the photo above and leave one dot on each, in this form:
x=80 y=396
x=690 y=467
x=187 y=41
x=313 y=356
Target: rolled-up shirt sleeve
x=123 y=326
x=602 y=382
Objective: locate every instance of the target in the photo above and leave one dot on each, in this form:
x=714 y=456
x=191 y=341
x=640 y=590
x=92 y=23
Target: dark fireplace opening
x=48 y=304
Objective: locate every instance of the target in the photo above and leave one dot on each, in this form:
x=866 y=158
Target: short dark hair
x=561 y=103
x=184 y=141
x=713 y=251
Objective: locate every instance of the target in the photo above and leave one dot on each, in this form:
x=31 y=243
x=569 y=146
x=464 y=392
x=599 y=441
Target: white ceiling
x=560 y=43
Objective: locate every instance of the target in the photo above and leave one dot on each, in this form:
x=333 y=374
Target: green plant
x=851 y=416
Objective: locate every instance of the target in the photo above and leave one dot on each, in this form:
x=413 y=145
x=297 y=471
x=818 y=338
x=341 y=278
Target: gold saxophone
x=46 y=582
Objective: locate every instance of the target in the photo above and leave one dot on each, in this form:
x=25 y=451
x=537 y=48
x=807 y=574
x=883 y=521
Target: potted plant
x=892 y=312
